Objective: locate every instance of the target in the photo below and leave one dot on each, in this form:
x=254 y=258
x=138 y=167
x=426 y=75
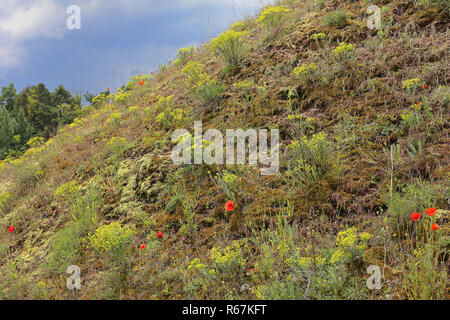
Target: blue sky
x=117 y=38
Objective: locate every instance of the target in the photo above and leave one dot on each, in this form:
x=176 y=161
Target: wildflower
x=229 y=206
x=107 y=89
x=434 y=227
x=141 y=83
x=425 y=86
x=344 y=47
x=159 y=235
x=318 y=36
x=430 y=211
x=11 y=229
x=416 y=216
x=272 y=13
x=143 y=246
x=411 y=83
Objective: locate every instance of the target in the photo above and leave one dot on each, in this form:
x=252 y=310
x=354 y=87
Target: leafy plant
x=271 y=17
x=231 y=47
x=84 y=207
x=114 y=240
x=313 y=159
x=66 y=244
x=203 y=88
x=336 y=18
x=184 y=54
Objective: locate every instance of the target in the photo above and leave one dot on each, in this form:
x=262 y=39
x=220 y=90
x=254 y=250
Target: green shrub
x=83 y=207
x=203 y=88
x=415 y=197
x=231 y=47
x=343 y=48
x=229 y=184
x=432 y=3
x=4 y=201
x=118 y=146
x=412 y=119
x=411 y=84
x=336 y=18
x=424 y=277
x=307 y=73
x=272 y=17
x=114 y=240
x=184 y=54
x=170 y=115
x=247 y=89
x=350 y=246
x=288 y=267
x=313 y=159
x=440 y=96
x=4 y=249
x=66 y=244
x=188 y=228
x=228 y=259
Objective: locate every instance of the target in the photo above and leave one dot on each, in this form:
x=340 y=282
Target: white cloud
x=22 y=20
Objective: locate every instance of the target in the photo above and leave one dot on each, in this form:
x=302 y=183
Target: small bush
x=344 y=48
x=65 y=247
x=411 y=84
x=83 y=207
x=228 y=259
x=114 y=240
x=412 y=118
x=307 y=73
x=170 y=115
x=4 y=201
x=424 y=277
x=271 y=17
x=231 y=47
x=336 y=18
x=229 y=184
x=203 y=88
x=440 y=96
x=415 y=197
x=431 y=3
x=313 y=159
x=184 y=54
x=350 y=246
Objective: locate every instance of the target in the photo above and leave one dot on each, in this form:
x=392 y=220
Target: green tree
x=8 y=128
x=8 y=97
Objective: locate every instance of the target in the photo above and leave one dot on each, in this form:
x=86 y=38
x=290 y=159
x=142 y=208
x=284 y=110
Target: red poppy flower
x=143 y=246
x=230 y=206
x=416 y=216
x=141 y=83
x=425 y=86
x=159 y=235
x=434 y=227
x=107 y=89
x=430 y=211
x=11 y=229
x=419 y=103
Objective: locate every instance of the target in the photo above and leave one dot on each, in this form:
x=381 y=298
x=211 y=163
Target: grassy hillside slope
x=364 y=125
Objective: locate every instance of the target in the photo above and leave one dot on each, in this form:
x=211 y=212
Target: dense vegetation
x=35 y=111
x=364 y=176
